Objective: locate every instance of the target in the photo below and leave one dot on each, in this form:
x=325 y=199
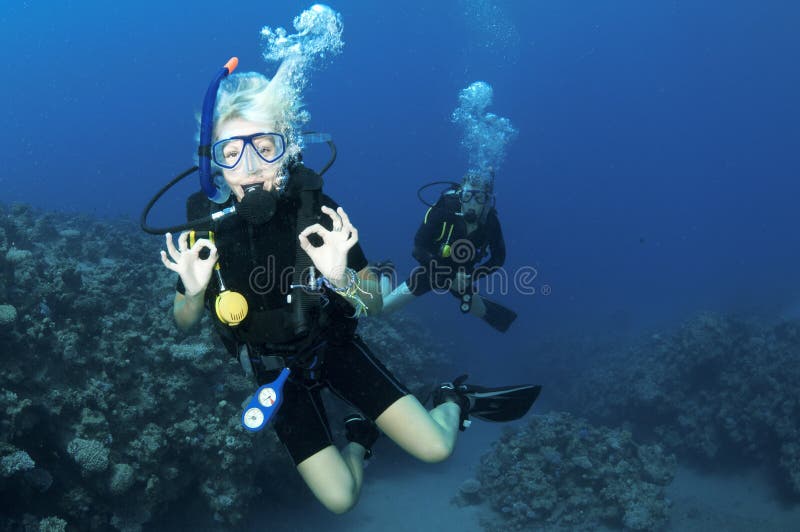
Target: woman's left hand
x=330 y=258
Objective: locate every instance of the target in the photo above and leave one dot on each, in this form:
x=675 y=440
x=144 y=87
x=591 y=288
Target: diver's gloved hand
x=195 y=272
x=330 y=258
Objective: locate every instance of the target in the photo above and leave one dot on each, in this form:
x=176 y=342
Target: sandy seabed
x=401 y=494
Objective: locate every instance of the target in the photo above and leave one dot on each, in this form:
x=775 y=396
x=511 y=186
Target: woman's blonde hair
x=249 y=96
x=252 y=96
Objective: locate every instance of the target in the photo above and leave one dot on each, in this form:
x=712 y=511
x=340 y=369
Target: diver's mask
x=474 y=204
x=268 y=147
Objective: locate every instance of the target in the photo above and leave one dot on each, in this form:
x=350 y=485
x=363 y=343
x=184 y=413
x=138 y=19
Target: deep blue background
x=655 y=173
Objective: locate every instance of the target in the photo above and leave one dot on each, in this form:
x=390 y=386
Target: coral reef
x=8 y=315
x=109 y=416
x=15 y=462
x=90 y=455
x=408 y=349
x=718 y=388
x=557 y=472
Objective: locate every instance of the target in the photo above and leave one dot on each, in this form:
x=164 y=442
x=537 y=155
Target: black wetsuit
x=258 y=261
x=443 y=226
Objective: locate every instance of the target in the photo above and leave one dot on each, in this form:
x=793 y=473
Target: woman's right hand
x=194 y=271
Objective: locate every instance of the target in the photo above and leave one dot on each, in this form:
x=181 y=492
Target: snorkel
x=214 y=193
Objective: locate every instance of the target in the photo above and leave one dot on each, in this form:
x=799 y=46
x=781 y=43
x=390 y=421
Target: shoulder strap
x=447 y=202
x=308 y=186
x=197 y=206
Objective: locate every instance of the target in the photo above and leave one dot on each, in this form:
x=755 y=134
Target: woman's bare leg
x=429 y=436
x=397 y=299
x=335 y=478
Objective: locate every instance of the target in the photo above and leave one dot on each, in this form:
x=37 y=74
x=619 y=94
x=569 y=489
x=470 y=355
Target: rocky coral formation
x=408 y=349
x=109 y=414
x=719 y=387
x=557 y=472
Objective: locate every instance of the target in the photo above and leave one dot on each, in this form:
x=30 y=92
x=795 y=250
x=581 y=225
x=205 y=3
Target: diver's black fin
x=498 y=316
x=506 y=403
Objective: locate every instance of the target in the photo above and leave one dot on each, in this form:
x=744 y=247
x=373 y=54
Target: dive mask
x=227 y=153
x=479 y=196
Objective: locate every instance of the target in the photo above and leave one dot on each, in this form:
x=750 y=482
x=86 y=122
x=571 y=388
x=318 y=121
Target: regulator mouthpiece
x=257 y=206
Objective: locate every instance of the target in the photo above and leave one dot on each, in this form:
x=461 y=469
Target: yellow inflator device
x=446 y=249
x=231 y=307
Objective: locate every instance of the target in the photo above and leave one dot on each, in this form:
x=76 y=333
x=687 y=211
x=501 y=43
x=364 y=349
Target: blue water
x=654 y=175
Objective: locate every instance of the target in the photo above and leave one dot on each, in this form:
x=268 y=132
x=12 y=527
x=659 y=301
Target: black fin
x=498 y=316
x=506 y=403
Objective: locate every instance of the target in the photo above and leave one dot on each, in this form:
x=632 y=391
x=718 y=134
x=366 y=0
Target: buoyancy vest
x=266 y=264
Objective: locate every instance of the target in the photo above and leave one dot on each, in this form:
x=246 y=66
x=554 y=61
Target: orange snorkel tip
x=232 y=63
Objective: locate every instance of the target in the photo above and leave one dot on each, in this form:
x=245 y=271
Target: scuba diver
x=462 y=226
x=454 y=237
x=278 y=265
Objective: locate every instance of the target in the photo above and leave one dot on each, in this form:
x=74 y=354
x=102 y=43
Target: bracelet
x=352 y=278
x=351 y=291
